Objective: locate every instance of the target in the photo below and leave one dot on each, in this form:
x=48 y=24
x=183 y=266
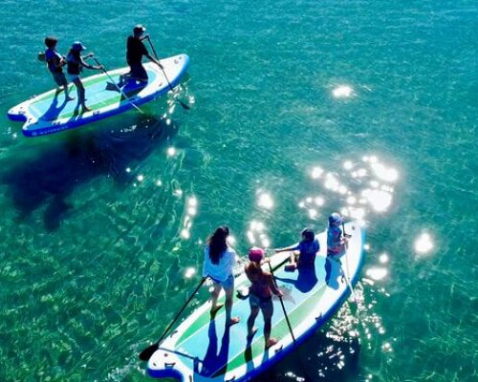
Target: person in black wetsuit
x=135 y=50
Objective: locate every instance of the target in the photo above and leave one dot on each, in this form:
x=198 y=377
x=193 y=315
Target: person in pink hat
x=260 y=295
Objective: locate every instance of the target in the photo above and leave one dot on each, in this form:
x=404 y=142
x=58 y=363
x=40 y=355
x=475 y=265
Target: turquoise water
x=298 y=109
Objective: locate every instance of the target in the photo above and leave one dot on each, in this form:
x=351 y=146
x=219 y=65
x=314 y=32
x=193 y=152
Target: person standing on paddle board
x=55 y=62
x=307 y=247
x=75 y=64
x=135 y=50
x=219 y=263
x=260 y=295
x=335 y=242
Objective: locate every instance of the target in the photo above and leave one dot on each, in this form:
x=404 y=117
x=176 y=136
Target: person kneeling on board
x=219 y=263
x=55 y=62
x=307 y=247
x=260 y=295
x=336 y=243
x=75 y=64
x=135 y=50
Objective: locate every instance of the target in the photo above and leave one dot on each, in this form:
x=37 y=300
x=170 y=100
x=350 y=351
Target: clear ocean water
x=298 y=108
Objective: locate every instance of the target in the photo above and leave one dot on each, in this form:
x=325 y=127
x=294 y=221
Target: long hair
x=217 y=243
x=75 y=54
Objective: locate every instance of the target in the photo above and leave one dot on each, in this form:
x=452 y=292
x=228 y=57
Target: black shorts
x=138 y=72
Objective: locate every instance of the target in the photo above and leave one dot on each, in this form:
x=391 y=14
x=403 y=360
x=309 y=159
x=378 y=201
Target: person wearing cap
x=335 y=237
x=135 y=50
x=55 y=62
x=260 y=295
x=336 y=243
x=219 y=263
x=75 y=64
x=308 y=248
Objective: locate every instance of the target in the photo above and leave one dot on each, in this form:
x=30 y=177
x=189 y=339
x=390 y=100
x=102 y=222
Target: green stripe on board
x=87 y=82
x=280 y=330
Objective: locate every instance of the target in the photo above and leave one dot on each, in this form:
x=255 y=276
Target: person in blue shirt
x=55 y=62
x=308 y=248
x=75 y=64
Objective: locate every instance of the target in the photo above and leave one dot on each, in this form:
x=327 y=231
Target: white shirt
x=223 y=269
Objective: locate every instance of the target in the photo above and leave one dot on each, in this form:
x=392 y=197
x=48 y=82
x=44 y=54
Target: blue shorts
x=226 y=284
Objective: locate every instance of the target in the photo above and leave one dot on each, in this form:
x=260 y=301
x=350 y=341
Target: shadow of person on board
x=50 y=177
x=215 y=362
x=333 y=272
x=54 y=110
x=305 y=281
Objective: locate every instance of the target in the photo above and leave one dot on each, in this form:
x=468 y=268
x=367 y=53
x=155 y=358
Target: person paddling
x=336 y=242
x=55 y=62
x=135 y=50
x=307 y=247
x=219 y=263
x=75 y=64
x=260 y=295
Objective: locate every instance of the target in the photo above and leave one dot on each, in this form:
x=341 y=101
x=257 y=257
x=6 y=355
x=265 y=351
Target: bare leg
x=214 y=295
x=229 y=299
x=67 y=96
x=267 y=311
x=81 y=94
x=251 y=320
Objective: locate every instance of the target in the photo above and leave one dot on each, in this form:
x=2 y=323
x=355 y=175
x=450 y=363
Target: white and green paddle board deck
x=47 y=114
x=203 y=350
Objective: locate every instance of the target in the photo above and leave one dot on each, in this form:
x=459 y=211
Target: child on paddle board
x=219 y=263
x=336 y=242
x=75 y=64
x=260 y=295
x=55 y=62
x=307 y=247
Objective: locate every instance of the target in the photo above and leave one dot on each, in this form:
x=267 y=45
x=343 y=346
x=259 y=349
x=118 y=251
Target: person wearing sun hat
x=75 y=63
x=260 y=295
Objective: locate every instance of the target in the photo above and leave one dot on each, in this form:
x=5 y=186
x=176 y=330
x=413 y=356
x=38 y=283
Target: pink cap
x=256 y=254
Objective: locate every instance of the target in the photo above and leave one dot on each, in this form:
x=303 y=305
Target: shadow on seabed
x=50 y=177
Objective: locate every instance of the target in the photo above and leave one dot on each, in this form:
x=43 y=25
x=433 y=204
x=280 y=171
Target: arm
x=273 y=286
x=152 y=59
x=86 y=65
x=293 y=247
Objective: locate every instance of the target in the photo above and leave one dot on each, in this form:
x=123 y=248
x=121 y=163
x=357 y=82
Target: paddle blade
x=146 y=354
x=186 y=107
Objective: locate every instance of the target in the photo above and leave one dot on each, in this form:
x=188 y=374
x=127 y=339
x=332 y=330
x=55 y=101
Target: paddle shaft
x=117 y=87
x=151 y=349
x=347 y=277
x=282 y=304
x=186 y=107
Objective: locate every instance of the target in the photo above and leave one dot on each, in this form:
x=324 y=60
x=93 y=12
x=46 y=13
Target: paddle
x=186 y=107
x=347 y=278
x=117 y=87
x=282 y=303
x=149 y=351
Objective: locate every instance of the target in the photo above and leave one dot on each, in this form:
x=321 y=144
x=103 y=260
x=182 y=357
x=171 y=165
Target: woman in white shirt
x=219 y=262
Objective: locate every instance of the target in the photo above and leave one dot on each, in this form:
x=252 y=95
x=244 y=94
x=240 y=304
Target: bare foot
x=215 y=310
x=252 y=334
x=234 y=321
x=271 y=342
x=85 y=109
